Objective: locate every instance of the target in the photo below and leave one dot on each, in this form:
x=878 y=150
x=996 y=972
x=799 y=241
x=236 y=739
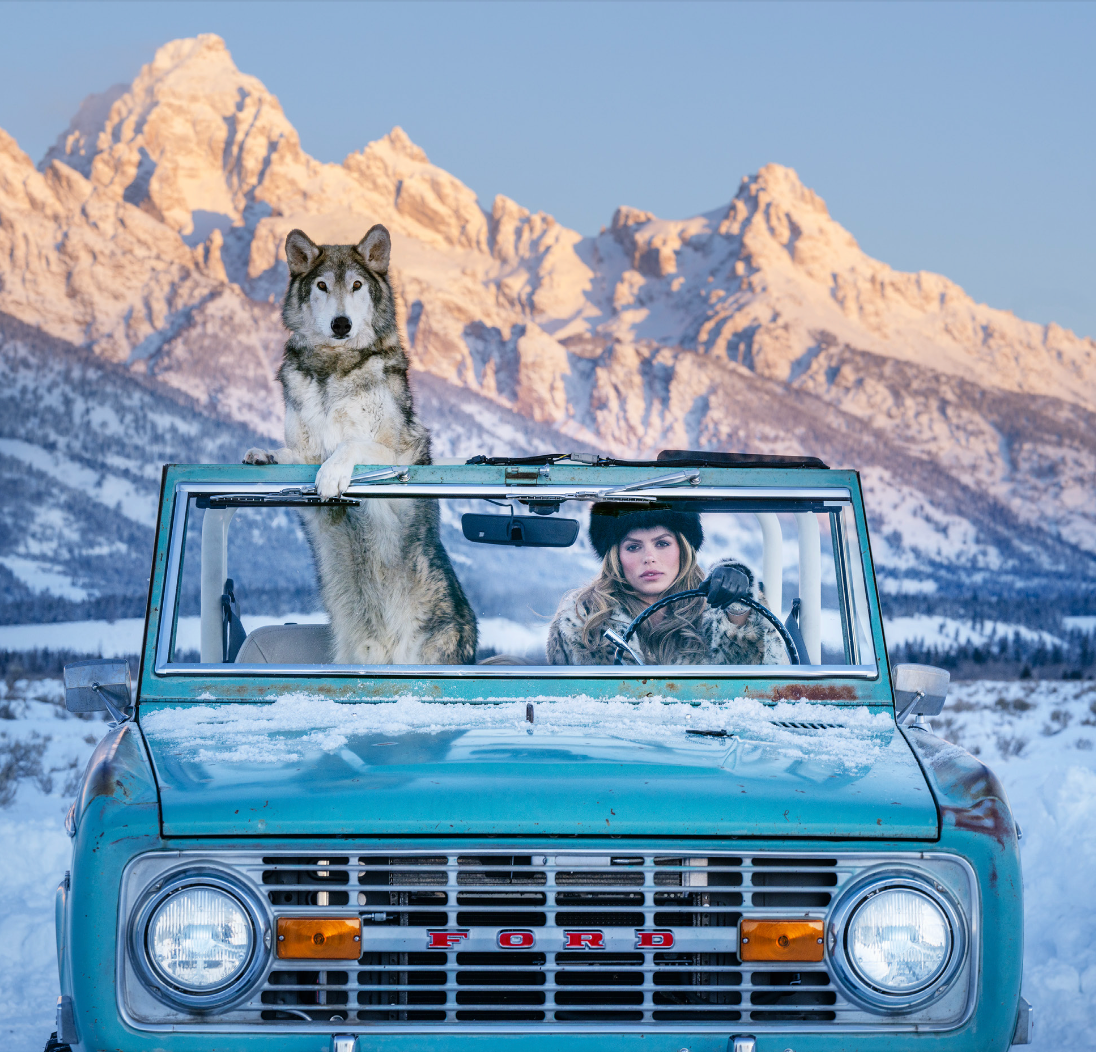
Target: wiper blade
x=623 y=494
x=692 y=477
x=303 y=495
x=294 y=496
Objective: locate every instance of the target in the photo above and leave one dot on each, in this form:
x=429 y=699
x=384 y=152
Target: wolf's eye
x=321 y=285
x=357 y=285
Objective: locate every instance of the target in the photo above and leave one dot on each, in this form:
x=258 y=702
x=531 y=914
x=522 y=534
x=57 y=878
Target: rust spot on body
x=987 y=816
x=813 y=692
x=972 y=798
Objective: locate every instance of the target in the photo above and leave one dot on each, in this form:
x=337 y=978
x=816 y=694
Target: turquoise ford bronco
x=678 y=799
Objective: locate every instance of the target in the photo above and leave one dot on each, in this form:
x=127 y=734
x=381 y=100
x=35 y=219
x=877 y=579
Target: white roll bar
x=810 y=584
x=214 y=571
x=772 y=562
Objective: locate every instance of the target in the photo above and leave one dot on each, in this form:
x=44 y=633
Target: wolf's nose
x=341 y=326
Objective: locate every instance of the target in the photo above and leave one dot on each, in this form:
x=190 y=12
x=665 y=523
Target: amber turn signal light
x=320 y=938
x=781 y=940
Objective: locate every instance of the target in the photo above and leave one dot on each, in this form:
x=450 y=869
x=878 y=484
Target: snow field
x=43 y=753
x=1040 y=738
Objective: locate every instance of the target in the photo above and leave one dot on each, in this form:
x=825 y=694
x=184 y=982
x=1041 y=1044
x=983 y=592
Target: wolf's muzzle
x=341 y=326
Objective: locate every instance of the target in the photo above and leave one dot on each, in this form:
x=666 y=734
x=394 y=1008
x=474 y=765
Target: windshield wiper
x=399 y=473
x=619 y=494
x=691 y=477
x=302 y=495
x=293 y=496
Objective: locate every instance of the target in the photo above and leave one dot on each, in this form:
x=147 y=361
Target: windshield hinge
x=528 y=475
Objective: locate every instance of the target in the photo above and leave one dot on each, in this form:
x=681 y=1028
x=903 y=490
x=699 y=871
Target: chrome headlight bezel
x=856 y=987
x=161 y=986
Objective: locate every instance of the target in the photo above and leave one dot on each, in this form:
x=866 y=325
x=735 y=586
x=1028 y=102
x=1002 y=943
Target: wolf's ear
x=376 y=249
x=301 y=252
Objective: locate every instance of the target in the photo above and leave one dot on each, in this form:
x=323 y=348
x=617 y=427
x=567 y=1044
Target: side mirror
x=92 y=686
x=920 y=690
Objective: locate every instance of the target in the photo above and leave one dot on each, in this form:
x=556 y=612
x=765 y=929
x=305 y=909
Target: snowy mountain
x=150 y=240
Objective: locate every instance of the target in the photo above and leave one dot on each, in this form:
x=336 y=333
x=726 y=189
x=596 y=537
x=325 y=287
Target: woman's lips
x=650 y=575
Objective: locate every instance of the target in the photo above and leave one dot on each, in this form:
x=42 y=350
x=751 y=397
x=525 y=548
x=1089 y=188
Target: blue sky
x=957 y=138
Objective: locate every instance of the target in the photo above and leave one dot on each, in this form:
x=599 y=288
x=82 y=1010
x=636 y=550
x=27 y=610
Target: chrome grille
x=401 y=897
x=401 y=982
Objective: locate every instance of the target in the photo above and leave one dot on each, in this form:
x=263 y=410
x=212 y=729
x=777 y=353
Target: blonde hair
x=675 y=640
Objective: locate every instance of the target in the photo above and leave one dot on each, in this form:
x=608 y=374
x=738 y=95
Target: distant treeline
x=32 y=664
x=41 y=608
x=1043 y=610
x=1008 y=657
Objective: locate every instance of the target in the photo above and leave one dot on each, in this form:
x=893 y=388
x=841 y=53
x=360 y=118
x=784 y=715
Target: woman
x=645 y=555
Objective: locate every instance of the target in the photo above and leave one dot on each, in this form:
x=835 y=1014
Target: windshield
x=265 y=580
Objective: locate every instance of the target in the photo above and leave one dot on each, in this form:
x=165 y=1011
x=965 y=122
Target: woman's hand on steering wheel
x=726 y=585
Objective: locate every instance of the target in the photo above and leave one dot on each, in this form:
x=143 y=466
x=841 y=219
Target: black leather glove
x=726 y=585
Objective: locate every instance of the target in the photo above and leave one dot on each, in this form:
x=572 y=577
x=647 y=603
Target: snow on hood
x=280 y=731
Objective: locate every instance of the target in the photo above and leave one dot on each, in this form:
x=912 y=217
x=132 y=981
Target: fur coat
x=756 y=642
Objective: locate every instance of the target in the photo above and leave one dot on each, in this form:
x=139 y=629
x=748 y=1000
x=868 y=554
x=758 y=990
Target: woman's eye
x=357 y=285
x=321 y=285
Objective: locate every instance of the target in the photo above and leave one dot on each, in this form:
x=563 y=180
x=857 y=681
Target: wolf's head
x=339 y=296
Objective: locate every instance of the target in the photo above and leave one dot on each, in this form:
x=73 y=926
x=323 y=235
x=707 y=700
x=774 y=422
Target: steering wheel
x=623 y=645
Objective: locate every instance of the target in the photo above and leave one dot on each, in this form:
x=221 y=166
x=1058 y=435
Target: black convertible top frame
x=686 y=458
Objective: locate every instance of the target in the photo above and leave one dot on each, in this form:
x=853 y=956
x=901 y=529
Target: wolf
x=385 y=578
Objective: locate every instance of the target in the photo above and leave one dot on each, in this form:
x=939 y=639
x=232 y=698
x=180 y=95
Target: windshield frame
x=835 y=496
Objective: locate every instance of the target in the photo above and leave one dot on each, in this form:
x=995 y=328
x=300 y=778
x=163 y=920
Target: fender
x=116 y=815
x=977 y=822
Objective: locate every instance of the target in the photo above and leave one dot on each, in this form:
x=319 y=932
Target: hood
x=307 y=766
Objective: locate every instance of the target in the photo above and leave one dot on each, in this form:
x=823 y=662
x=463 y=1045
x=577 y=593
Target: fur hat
x=610 y=522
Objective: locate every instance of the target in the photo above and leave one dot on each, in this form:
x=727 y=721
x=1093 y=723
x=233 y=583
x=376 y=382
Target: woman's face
x=650 y=560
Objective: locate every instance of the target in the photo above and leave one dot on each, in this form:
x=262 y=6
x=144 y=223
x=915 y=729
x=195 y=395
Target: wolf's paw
x=333 y=478
x=259 y=456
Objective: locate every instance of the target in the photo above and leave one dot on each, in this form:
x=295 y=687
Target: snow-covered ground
x=1039 y=737
x=122 y=637
x=43 y=752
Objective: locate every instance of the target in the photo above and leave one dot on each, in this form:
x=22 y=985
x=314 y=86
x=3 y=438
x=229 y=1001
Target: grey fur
x=385 y=578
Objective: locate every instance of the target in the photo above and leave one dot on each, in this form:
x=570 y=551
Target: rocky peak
x=780 y=184
x=625 y=216
x=77 y=145
x=192 y=134
x=400 y=142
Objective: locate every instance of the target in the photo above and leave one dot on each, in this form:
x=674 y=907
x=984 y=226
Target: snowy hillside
x=82 y=443
x=1039 y=738
x=150 y=237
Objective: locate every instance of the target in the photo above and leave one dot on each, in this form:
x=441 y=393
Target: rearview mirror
x=530 y=531
x=98 y=685
x=920 y=690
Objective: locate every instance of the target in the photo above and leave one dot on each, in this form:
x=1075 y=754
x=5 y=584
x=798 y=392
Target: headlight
x=199 y=939
x=897 y=940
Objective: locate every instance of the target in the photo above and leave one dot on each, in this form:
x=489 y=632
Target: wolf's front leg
x=271 y=456
x=333 y=478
